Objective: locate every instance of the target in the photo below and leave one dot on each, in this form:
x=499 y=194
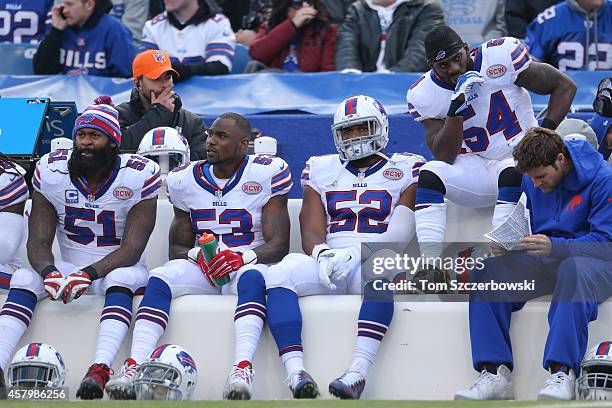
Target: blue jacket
x=577 y=215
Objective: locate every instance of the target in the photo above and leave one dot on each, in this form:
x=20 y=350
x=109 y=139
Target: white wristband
x=316 y=251
x=249 y=257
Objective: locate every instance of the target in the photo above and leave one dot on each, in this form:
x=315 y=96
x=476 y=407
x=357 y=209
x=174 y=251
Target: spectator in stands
x=386 y=35
x=153 y=104
x=156 y=7
x=519 y=13
x=132 y=13
x=235 y=11
x=85 y=40
x=476 y=21
x=568 y=187
x=573 y=35
x=24 y=21
x=245 y=17
x=196 y=35
x=297 y=37
x=337 y=9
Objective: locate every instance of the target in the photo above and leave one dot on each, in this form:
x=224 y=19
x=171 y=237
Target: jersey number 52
x=368 y=220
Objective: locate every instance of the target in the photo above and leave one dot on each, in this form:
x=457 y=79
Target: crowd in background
x=101 y=37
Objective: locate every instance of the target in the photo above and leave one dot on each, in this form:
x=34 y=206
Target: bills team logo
x=186 y=361
x=441 y=55
x=72 y=196
x=159 y=57
x=251 y=187
x=393 y=174
x=123 y=193
x=495 y=71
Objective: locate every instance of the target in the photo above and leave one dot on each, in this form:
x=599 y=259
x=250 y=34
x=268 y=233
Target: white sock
x=247 y=330
x=11 y=330
x=145 y=338
x=110 y=337
x=364 y=354
x=293 y=361
x=502 y=212
x=430 y=229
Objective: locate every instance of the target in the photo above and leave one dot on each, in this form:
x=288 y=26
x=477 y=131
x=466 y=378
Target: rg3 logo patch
x=71 y=196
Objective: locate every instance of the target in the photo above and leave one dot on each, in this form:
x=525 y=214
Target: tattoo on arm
x=138 y=228
x=313 y=220
x=275 y=227
x=41 y=231
x=180 y=237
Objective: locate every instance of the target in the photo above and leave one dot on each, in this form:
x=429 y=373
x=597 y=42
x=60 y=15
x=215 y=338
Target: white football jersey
x=91 y=221
x=13 y=190
x=231 y=213
x=359 y=204
x=500 y=114
x=212 y=40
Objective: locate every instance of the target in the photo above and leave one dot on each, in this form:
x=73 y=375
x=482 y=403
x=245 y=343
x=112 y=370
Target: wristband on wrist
x=249 y=257
x=549 y=124
x=91 y=271
x=318 y=249
x=47 y=269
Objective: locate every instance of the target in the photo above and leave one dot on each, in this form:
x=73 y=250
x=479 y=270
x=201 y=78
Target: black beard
x=103 y=160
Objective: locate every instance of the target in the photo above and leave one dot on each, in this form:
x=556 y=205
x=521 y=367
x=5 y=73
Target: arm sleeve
x=496 y=28
x=119 y=52
x=281 y=181
x=47 y=58
x=308 y=178
x=598 y=241
x=268 y=45
x=220 y=41
x=134 y=17
x=14 y=192
x=329 y=48
x=175 y=188
x=413 y=58
x=347 y=46
x=131 y=135
x=152 y=183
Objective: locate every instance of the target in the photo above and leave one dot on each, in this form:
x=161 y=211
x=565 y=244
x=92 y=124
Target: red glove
x=224 y=263
x=76 y=284
x=195 y=255
x=54 y=284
